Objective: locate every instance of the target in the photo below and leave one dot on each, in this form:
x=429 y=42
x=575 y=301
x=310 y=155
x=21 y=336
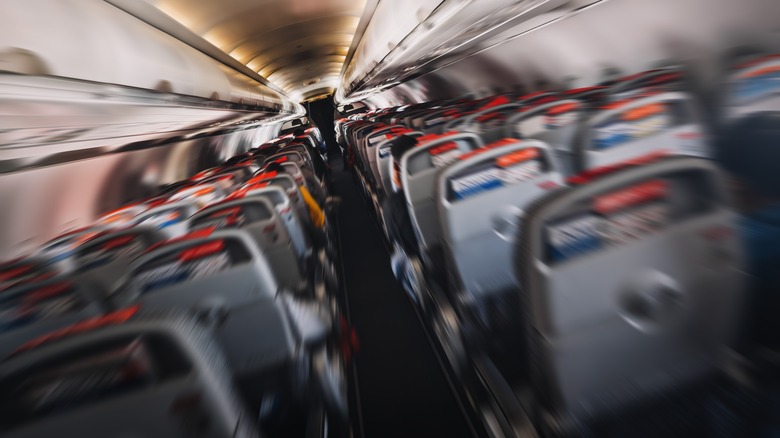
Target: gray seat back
x=419 y=167
x=288 y=184
x=185 y=272
x=202 y=194
x=30 y=310
x=305 y=152
x=225 y=274
x=170 y=218
x=481 y=201
x=372 y=143
x=555 y=123
x=105 y=259
x=262 y=222
x=668 y=78
x=59 y=253
x=361 y=131
x=288 y=157
x=622 y=294
x=434 y=121
x=277 y=196
x=295 y=170
x=383 y=163
x=666 y=122
x=129 y=376
x=753 y=88
x=487 y=123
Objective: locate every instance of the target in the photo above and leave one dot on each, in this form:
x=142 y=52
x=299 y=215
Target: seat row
x=575 y=252
x=208 y=309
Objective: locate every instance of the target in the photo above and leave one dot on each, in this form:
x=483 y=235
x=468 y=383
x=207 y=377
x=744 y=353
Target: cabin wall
x=41 y=203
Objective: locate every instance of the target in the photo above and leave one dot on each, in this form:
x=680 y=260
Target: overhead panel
x=407 y=38
x=298 y=45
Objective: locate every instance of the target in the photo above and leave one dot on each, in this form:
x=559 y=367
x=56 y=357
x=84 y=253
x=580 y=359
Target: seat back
x=262 y=222
x=224 y=278
x=227 y=264
x=555 y=123
x=360 y=132
x=592 y=97
x=419 y=167
x=753 y=87
x=104 y=259
x=288 y=156
x=487 y=123
x=300 y=148
x=435 y=121
x=374 y=142
x=383 y=163
x=481 y=200
x=170 y=218
x=23 y=270
x=631 y=285
x=666 y=122
x=371 y=139
x=31 y=310
x=59 y=253
x=278 y=197
x=201 y=194
x=122 y=375
x=288 y=184
x=290 y=169
x=669 y=78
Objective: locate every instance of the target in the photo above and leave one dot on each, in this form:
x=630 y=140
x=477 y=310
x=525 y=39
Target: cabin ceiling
x=298 y=45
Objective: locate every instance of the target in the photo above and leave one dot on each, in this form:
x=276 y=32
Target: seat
x=369 y=146
x=666 y=78
x=170 y=218
x=58 y=253
x=269 y=335
x=752 y=87
x=592 y=97
x=278 y=197
x=224 y=279
x=105 y=258
x=124 y=374
x=487 y=123
x=666 y=122
x=631 y=287
x=383 y=161
x=419 y=167
x=34 y=309
x=480 y=202
x=555 y=123
x=302 y=150
x=288 y=184
x=201 y=194
x=260 y=220
x=288 y=157
x=434 y=121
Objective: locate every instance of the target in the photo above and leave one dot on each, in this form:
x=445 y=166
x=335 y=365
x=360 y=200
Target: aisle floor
x=400 y=388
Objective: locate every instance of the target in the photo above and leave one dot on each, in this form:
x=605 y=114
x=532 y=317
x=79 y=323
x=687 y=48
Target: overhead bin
x=94 y=31
x=100 y=81
x=405 y=37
